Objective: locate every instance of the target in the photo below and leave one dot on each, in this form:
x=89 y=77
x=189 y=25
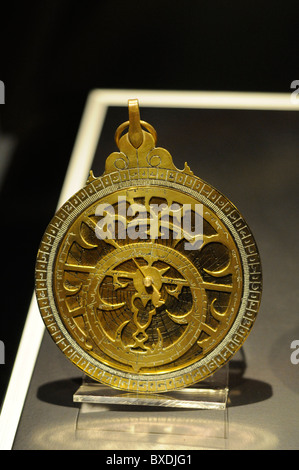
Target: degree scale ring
x=215 y=359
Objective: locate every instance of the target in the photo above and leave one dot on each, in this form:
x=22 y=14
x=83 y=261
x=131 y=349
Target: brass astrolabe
x=148 y=279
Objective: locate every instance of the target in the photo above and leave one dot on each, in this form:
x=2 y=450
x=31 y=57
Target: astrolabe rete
x=148 y=279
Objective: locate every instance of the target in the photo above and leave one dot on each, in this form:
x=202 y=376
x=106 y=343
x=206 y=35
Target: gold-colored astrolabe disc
x=148 y=279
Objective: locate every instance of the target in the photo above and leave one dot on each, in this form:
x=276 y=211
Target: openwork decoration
x=148 y=279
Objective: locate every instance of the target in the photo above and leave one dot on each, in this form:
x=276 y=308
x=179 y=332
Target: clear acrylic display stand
x=194 y=417
x=211 y=393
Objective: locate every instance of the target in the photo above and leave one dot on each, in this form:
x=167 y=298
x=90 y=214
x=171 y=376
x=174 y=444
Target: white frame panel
x=80 y=162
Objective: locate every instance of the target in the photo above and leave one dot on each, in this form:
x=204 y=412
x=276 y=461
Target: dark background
x=54 y=52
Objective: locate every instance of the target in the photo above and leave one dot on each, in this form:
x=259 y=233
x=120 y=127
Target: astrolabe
x=148 y=279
